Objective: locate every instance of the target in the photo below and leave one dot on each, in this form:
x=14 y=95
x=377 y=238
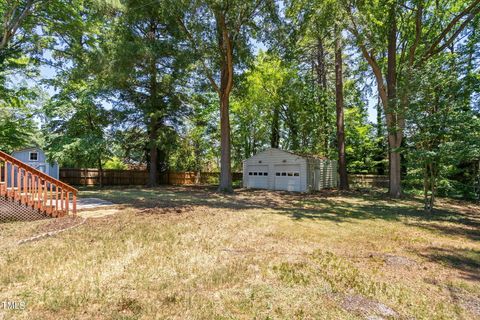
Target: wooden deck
x=30 y=187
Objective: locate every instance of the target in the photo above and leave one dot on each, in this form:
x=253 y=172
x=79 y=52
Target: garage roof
x=305 y=155
x=298 y=154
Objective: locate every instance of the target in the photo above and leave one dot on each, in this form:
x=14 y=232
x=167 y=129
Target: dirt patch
x=471 y=304
x=58 y=224
x=99 y=213
x=398 y=261
x=468 y=301
x=367 y=308
x=165 y=210
x=55 y=227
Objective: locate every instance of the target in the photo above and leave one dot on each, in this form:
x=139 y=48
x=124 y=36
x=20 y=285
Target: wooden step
x=50 y=210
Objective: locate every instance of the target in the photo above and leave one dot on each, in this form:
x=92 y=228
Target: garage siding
x=272 y=157
x=310 y=173
x=257 y=176
x=323 y=174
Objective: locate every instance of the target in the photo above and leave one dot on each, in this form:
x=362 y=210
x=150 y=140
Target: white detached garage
x=277 y=169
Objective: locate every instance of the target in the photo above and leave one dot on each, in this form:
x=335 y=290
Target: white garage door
x=287 y=177
x=257 y=177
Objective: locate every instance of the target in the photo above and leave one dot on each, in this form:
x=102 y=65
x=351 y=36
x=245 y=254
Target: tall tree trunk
x=321 y=65
x=153 y=166
x=154 y=122
x=342 y=162
x=100 y=171
x=246 y=146
x=395 y=120
x=198 y=161
x=394 y=117
x=321 y=79
x=381 y=153
x=275 y=129
x=225 y=46
x=225 y=159
x=478 y=180
x=291 y=123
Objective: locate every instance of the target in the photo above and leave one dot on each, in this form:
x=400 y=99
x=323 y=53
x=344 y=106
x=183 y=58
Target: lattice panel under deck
x=13 y=211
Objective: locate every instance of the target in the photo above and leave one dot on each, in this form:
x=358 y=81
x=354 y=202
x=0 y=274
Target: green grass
x=191 y=253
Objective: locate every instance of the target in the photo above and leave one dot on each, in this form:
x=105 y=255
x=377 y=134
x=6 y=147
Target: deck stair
x=29 y=187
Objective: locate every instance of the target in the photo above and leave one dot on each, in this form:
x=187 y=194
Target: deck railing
x=31 y=187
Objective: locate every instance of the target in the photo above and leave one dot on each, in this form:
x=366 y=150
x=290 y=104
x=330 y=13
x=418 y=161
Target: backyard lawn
x=191 y=253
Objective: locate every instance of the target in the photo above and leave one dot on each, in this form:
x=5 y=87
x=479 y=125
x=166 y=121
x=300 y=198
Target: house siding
x=24 y=155
x=51 y=169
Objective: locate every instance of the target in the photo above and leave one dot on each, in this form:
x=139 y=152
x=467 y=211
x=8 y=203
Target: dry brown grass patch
x=191 y=253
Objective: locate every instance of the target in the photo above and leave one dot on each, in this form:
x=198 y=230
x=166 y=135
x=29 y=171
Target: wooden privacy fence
x=91 y=177
x=368 y=181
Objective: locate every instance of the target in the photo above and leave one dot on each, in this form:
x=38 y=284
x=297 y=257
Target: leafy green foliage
x=76 y=128
x=147 y=70
x=443 y=129
x=115 y=163
x=17 y=125
x=197 y=147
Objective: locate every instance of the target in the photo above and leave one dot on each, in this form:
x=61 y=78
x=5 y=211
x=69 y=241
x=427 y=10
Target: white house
x=277 y=169
x=36 y=158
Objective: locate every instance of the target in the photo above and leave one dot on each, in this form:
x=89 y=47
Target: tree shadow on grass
x=466 y=261
x=307 y=205
x=384 y=210
x=178 y=197
x=442 y=221
x=328 y=206
x=466 y=228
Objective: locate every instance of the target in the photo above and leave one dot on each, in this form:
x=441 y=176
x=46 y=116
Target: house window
x=265 y=173
x=250 y=173
x=254 y=173
x=33 y=156
x=296 y=174
x=260 y=173
x=277 y=174
x=284 y=174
